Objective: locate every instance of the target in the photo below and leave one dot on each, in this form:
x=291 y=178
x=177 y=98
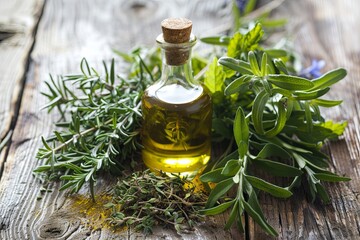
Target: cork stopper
x=176 y=31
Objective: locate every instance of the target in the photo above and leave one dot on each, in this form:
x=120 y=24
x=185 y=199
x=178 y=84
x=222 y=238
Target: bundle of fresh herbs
x=264 y=112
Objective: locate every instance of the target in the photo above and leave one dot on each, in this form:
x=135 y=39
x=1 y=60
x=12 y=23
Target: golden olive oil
x=176 y=129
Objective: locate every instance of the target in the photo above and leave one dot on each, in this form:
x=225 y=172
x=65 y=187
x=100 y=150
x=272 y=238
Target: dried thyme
x=144 y=199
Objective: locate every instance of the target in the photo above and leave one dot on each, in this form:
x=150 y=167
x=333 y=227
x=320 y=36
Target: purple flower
x=241 y=4
x=314 y=70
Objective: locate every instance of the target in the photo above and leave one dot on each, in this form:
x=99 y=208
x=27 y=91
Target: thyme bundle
x=170 y=202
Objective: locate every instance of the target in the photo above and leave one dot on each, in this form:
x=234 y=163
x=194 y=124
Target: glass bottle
x=177 y=110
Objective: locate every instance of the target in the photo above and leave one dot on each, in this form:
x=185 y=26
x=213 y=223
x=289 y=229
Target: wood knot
x=5 y=35
x=3 y=226
x=140 y=8
x=59 y=225
x=54 y=229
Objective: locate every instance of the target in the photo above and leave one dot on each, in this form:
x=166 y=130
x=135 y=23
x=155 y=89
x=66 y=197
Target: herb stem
x=89 y=130
x=181 y=200
x=201 y=73
x=164 y=220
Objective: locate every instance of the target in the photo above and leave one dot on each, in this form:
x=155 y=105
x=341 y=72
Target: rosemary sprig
x=104 y=128
x=144 y=199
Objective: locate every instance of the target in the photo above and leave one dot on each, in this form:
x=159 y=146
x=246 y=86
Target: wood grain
x=18 y=22
x=70 y=30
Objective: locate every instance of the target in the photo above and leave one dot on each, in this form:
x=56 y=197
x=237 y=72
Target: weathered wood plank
x=18 y=21
x=325 y=30
x=67 y=32
x=70 y=30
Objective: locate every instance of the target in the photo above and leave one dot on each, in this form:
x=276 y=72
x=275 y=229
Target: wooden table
x=39 y=37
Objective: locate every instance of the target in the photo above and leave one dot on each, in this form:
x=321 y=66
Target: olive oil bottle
x=177 y=110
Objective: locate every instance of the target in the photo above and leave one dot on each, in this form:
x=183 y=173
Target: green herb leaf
x=241 y=132
x=112 y=72
x=45 y=144
x=280 y=121
x=310 y=95
x=326 y=103
x=330 y=177
x=322 y=193
x=235 y=212
x=236 y=85
x=259 y=220
x=231 y=168
x=308 y=117
x=274 y=190
x=269 y=23
x=220 y=189
x=214 y=77
x=222 y=161
x=222 y=41
x=217 y=209
x=237 y=65
x=276 y=53
x=234 y=47
x=281 y=66
x=329 y=78
x=254 y=64
x=290 y=82
x=276 y=168
x=253 y=200
x=258 y=111
x=250 y=5
x=214 y=176
x=264 y=61
x=273 y=150
x=336 y=128
x=240 y=44
x=320 y=132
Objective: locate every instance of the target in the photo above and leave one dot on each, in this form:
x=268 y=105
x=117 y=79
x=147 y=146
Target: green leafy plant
x=277 y=126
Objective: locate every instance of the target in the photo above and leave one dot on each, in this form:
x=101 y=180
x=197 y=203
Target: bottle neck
x=178 y=74
x=176 y=62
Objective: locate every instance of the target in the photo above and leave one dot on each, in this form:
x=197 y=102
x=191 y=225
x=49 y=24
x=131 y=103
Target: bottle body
x=177 y=136
x=177 y=115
